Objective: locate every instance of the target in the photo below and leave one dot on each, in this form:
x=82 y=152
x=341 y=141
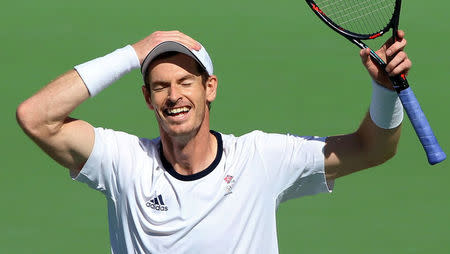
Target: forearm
x=45 y=112
x=378 y=144
x=369 y=146
x=373 y=143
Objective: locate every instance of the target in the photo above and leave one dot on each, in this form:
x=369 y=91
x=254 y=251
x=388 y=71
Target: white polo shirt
x=227 y=208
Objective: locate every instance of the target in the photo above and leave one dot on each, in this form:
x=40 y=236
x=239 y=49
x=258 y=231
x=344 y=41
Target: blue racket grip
x=434 y=152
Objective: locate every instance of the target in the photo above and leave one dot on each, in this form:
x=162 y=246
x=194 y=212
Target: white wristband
x=386 y=109
x=101 y=72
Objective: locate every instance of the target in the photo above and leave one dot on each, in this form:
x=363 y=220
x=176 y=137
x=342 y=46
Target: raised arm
x=45 y=116
x=377 y=137
x=45 y=119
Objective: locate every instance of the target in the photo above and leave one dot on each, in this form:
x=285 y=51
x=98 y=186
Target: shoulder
x=255 y=134
x=262 y=138
x=251 y=142
x=279 y=144
x=230 y=140
x=121 y=140
x=258 y=137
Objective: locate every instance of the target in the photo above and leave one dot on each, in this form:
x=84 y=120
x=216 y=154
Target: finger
x=177 y=36
x=371 y=66
x=396 y=47
x=364 y=54
x=187 y=40
x=386 y=44
x=402 y=68
x=390 y=42
x=399 y=58
x=400 y=36
x=147 y=44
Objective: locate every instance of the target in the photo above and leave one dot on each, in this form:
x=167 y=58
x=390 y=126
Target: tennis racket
x=359 y=20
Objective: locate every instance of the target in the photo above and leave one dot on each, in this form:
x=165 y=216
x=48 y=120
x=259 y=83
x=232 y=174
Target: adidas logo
x=157 y=204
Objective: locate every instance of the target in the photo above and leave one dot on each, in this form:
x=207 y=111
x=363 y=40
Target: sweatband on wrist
x=101 y=72
x=386 y=109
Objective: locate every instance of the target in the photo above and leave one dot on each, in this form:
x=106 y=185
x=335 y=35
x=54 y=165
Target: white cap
x=201 y=56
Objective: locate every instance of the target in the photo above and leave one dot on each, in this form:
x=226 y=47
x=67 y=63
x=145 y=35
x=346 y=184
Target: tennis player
x=193 y=189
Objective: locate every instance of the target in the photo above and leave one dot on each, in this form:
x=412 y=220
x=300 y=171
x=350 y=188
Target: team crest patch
x=228 y=178
x=229 y=188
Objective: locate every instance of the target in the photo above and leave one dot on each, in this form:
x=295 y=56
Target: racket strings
x=360 y=8
x=359 y=16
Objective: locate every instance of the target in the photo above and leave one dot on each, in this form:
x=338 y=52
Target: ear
x=211 y=88
x=147 y=97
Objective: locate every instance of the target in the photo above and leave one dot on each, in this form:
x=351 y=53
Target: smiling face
x=179 y=95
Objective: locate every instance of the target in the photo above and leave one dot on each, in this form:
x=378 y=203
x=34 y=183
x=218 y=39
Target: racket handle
x=434 y=152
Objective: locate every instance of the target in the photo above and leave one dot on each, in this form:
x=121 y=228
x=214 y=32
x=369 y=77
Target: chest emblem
x=229 y=187
x=157 y=204
x=228 y=179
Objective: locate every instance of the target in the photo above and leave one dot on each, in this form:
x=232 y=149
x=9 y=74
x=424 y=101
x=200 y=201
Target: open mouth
x=177 y=111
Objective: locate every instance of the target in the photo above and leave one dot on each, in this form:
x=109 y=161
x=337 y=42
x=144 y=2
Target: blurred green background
x=280 y=70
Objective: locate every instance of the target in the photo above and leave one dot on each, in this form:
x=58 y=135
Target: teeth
x=178 y=110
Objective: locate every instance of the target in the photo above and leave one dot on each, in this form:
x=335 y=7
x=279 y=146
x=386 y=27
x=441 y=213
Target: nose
x=173 y=94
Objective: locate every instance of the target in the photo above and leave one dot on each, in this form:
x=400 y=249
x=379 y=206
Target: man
x=195 y=190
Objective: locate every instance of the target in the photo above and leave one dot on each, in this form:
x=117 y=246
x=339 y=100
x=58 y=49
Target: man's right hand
x=144 y=46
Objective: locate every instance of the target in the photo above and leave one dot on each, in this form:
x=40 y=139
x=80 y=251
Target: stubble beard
x=183 y=135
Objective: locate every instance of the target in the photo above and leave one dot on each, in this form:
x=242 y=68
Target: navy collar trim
x=169 y=168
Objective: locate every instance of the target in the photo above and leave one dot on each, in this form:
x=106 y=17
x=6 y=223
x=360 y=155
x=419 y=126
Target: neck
x=190 y=155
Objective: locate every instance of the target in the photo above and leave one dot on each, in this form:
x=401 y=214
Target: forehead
x=171 y=67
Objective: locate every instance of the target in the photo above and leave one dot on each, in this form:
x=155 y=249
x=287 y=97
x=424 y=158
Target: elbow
x=390 y=147
x=376 y=151
x=390 y=153
x=380 y=156
x=386 y=156
x=24 y=117
x=30 y=120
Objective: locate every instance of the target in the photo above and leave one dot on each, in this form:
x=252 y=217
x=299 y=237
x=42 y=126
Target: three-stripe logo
x=157 y=204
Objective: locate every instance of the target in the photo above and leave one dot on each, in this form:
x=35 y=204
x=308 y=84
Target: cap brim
x=167 y=46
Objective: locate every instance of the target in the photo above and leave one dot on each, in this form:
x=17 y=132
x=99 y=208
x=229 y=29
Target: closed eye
x=158 y=86
x=186 y=83
x=186 y=80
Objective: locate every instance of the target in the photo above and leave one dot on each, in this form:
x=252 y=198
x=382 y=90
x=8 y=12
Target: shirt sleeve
x=111 y=151
x=295 y=165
